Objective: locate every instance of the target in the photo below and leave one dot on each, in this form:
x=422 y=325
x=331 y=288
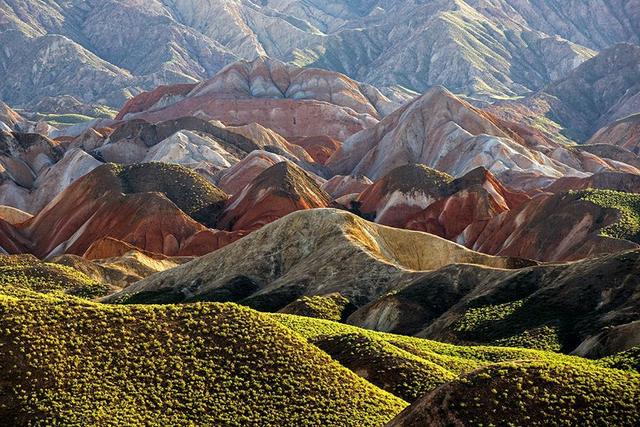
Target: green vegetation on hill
x=62 y=119
x=27 y=272
x=544 y=388
x=480 y=323
x=68 y=361
x=456 y=358
x=627 y=360
x=394 y=369
x=407 y=366
x=69 y=119
x=193 y=194
x=553 y=307
x=329 y=307
x=540 y=393
x=416 y=177
x=628 y=204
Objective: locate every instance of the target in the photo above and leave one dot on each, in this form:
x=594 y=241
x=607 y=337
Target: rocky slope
x=579 y=227
x=475 y=198
x=346 y=185
x=237 y=177
x=402 y=193
x=320 y=148
x=623 y=133
x=8 y=118
x=618 y=181
x=310 y=252
x=275 y=193
x=155 y=207
x=34 y=169
x=445 y=133
x=596 y=94
x=478 y=211
x=563 y=307
x=293 y=101
x=413 y=196
x=131 y=141
x=75 y=53
x=118 y=266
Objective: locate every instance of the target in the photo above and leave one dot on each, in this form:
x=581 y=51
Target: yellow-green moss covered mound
x=67 y=361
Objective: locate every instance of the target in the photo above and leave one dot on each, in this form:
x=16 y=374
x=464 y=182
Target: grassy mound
x=406 y=366
x=68 y=361
x=628 y=204
x=329 y=307
x=626 y=360
x=481 y=322
x=27 y=272
x=456 y=358
x=193 y=194
x=416 y=177
x=485 y=385
x=396 y=370
x=532 y=394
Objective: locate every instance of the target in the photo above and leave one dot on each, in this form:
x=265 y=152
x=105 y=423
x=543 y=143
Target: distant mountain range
x=103 y=52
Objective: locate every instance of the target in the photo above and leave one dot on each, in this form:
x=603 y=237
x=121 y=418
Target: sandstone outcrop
x=561 y=227
x=154 y=207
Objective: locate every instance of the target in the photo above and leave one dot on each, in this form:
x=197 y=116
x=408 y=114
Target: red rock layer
x=618 y=181
x=624 y=133
x=321 y=148
x=289 y=118
x=207 y=241
x=96 y=207
x=292 y=101
x=275 y=193
x=475 y=199
x=547 y=228
x=402 y=193
x=342 y=185
x=237 y=177
x=147 y=100
x=11 y=241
